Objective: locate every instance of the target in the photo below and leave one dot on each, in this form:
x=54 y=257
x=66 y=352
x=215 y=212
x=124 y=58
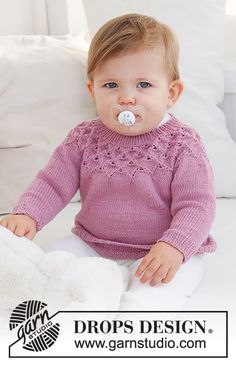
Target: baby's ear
x=175 y=90
x=90 y=88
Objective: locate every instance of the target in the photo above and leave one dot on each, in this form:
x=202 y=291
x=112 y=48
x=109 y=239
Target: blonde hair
x=133 y=32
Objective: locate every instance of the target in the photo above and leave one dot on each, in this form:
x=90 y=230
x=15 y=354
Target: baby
x=146 y=185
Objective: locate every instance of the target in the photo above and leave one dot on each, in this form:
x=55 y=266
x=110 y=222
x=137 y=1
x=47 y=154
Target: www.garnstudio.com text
x=146 y=343
x=156 y=327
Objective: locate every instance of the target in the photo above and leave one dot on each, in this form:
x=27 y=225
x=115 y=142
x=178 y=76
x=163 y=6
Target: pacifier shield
x=126 y=117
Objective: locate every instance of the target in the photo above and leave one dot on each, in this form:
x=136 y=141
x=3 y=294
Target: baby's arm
x=192 y=206
x=54 y=185
x=193 y=211
x=160 y=264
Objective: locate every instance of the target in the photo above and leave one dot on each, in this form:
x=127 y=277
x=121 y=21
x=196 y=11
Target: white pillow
x=199 y=26
x=43 y=95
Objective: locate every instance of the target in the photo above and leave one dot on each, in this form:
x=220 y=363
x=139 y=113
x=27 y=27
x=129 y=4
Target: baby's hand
x=20 y=225
x=160 y=264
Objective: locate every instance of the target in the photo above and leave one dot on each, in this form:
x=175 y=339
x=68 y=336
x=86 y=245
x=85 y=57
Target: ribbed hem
x=111 y=249
x=118 y=252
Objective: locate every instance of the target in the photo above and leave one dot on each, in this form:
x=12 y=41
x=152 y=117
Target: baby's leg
x=163 y=297
x=73 y=244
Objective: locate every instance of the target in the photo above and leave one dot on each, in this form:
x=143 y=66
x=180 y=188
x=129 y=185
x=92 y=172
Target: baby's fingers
x=30 y=234
x=150 y=271
x=20 y=230
x=4 y=223
x=142 y=266
x=11 y=225
x=160 y=275
x=170 y=275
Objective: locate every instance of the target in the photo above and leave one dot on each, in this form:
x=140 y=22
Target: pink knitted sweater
x=135 y=190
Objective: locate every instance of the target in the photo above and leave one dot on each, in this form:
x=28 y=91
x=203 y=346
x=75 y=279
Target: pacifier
x=126 y=117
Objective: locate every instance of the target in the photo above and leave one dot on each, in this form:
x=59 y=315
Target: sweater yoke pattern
x=160 y=150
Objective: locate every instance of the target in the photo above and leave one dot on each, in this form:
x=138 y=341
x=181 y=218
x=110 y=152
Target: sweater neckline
x=110 y=136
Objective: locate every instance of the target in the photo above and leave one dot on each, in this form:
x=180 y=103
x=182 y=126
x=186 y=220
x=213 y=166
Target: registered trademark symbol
x=210 y=330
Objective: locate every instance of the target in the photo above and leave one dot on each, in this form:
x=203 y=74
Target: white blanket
x=60 y=279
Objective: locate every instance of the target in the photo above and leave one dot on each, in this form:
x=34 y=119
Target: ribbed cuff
x=181 y=242
x=21 y=209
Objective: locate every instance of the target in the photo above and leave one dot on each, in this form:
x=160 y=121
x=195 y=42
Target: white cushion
x=42 y=96
x=199 y=26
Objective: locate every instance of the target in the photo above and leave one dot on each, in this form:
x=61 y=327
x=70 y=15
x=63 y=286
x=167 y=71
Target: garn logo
x=35 y=327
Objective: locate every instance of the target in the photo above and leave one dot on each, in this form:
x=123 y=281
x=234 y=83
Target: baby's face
x=137 y=82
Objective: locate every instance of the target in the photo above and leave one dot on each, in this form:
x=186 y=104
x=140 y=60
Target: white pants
x=138 y=296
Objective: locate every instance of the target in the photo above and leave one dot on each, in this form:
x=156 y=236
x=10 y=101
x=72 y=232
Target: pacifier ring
x=126 y=118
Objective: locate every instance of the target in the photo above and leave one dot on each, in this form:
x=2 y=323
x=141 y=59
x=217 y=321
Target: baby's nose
x=126 y=100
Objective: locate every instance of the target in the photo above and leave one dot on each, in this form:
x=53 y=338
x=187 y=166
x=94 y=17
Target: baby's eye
x=144 y=84
x=111 y=85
